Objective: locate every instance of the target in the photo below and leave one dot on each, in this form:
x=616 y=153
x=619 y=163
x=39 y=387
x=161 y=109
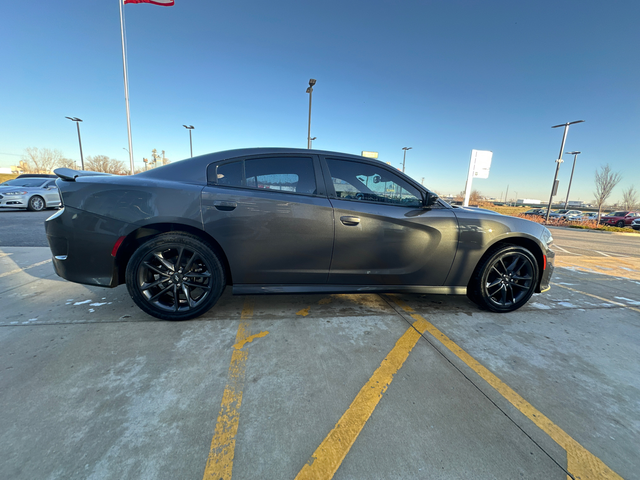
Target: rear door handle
x=224 y=205
x=350 y=221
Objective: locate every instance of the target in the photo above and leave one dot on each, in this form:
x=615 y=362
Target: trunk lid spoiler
x=70 y=175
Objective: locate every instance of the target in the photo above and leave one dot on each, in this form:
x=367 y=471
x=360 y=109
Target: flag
x=164 y=3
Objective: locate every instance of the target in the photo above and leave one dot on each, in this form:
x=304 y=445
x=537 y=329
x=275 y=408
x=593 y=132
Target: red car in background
x=619 y=219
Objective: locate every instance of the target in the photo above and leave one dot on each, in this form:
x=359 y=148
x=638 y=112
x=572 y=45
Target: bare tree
x=67 y=163
x=41 y=160
x=24 y=167
x=630 y=198
x=474 y=197
x=605 y=180
x=102 y=163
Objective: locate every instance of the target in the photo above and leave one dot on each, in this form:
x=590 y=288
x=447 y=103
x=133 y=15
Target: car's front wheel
x=175 y=276
x=505 y=280
x=620 y=224
x=36 y=204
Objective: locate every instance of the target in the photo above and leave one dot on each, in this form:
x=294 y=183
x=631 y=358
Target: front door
x=383 y=235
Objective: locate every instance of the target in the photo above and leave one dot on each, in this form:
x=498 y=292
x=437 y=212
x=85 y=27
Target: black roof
x=37 y=175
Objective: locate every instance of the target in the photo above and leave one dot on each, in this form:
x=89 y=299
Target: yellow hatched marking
x=18 y=270
x=250 y=339
x=580 y=462
x=304 y=312
x=220 y=461
x=326 y=460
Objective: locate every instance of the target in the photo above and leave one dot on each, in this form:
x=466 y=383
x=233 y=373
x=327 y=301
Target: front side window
x=371 y=183
x=284 y=174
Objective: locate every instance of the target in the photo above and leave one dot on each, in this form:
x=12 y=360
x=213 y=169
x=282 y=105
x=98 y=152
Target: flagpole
x=126 y=85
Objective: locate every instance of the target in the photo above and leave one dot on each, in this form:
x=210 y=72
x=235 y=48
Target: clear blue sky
x=442 y=77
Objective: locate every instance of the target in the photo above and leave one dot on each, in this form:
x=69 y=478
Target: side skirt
x=244 y=289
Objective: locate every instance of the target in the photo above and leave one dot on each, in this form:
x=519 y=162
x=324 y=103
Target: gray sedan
x=278 y=220
x=32 y=193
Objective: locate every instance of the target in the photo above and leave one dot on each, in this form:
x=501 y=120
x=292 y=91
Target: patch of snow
x=540 y=306
x=97 y=304
x=82 y=303
x=629 y=301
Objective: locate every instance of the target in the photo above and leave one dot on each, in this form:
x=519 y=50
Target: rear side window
x=229 y=174
x=283 y=174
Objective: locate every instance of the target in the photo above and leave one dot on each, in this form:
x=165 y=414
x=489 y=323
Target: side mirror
x=430 y=199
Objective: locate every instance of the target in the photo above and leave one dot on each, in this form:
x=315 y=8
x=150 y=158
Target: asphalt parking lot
x=313 y=386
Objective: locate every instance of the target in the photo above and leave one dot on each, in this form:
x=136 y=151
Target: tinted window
x=285 y=174
x=25 y=182
x=371 y=183
x=229 y=174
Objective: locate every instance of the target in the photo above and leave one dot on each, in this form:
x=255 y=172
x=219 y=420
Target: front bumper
x=547 y=273
x=14 y=201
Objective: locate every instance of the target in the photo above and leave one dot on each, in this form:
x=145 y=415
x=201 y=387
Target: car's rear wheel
x=505 y=280
x=175 y=276
x=36 y=204
x=620 y=224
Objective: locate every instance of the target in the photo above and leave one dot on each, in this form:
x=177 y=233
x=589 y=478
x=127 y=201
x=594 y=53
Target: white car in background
x=583 y=217
x=564 y=214
x=636 y=224
x=31 y=193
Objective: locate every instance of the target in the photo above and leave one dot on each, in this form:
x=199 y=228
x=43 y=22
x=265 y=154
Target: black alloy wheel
x=175 y=276
x=620 y=224
x=36 y=204
x=505 y=280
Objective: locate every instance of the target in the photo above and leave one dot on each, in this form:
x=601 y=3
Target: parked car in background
x=636 y=224
x=563 y=214
x=583 y=217
x=34 y=193
x=281 y=220
x=536 y=212
x=620 y=219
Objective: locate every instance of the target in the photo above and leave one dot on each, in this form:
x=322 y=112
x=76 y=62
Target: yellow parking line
x=580 y=462
x=599 y=298
x=220 y=461
x=326 y=460
x=18 y=270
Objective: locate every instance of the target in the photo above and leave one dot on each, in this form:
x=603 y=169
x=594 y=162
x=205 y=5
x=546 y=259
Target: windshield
x=618 y=214
x=25 y=182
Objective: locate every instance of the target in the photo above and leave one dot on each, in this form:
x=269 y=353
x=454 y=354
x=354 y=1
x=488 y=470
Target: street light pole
x=77 y=120
x=189 y=127
x=558 y=161
x=312 y=82
x=404 y=157
x=575 y=156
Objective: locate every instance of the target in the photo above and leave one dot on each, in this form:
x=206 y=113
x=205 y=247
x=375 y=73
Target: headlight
x=546 y=237
x=14 y=193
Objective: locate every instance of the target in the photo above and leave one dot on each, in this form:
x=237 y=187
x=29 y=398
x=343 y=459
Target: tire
x=175 y=266
x=504 y=280
x=620 y=224
x=36 y=204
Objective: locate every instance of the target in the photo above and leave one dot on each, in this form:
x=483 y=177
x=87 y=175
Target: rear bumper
x=81 y=245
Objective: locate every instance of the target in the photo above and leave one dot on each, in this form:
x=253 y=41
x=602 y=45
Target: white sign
x=479 y=166
x=481 y=160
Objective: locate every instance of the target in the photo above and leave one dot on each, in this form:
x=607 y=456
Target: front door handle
x=224 y=205
x=350 y=221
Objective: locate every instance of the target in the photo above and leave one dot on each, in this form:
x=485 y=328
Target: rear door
x=383 y=235
x=272 y=218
